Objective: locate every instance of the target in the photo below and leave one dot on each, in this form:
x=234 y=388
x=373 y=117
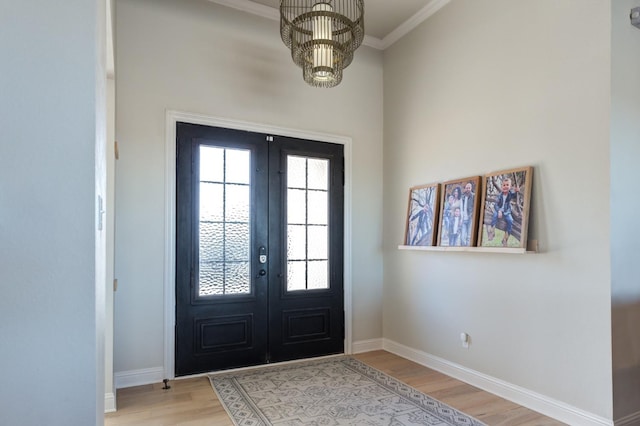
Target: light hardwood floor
x=192 y=402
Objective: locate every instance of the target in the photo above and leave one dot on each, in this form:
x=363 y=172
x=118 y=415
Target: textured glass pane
x=211 y=163
x=237 y=277
x=238 y=164
x=296 y=172
x=318 y=237
x=237 y=208
x=296 y=242
x=318 y=275
x=318 y=173
x=211 y=279
x=211 y=201
x=236 y=241
x=296 y=206
x=296 y=276
x=211 y=237
x=318 y=207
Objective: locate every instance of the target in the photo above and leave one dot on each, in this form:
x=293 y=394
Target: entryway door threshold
x=257 y=367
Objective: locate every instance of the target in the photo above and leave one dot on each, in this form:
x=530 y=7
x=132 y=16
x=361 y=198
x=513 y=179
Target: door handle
x=261 y=273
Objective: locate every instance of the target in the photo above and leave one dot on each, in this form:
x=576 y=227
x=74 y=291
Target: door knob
x=261 y=273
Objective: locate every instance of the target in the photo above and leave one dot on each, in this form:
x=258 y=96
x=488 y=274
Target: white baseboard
x=630 y=420
x=145 y=376
x=366 y=346
x=109 y=403
x=527 y=398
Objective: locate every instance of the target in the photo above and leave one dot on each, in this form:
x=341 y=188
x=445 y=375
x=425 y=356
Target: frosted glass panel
x=225 y=223
x=318 y=173
x=296 y=279
x=237 y=278
x=318 y=275
x=211 y=163
x=237 y=203
x=296 y=206
x=236 y=241
x=211 y=279
x=296 y=242
x=237 y=166
x=318 y=207
x=211 y=242
x=296 y=172
x=211 y=201
x=318 y=237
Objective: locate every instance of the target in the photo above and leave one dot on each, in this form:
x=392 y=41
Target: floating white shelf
x=533 y=248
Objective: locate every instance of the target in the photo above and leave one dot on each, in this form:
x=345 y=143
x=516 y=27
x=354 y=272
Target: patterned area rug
x=333 y=391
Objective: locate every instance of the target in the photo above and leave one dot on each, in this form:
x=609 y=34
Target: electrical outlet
x=465 y=339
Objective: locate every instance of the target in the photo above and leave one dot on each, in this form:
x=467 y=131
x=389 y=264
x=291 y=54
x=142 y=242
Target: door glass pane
x=236 y=242
x=296 y=172
x=317 y=173
x=211 y=196
x=214 y=159
x=237 y=166
x=307 y=223
x=318 y=272
x=296 y=242
x=319 y=214
x=224 y=221
x=296 y=206
x=318 y=239
x=296 y=276
x=211 y=247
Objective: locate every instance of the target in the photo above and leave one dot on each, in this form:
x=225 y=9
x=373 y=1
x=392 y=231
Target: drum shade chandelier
x=322 y=36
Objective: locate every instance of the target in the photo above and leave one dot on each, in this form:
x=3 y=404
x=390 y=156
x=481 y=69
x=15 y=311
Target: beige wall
x=491 y=85
x=53 y=121
x=625 y=251
x=199 y=57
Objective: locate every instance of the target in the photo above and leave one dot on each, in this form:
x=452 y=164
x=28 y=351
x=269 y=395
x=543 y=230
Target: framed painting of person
x=459 y=207
x=422 y=215
x=505 y=208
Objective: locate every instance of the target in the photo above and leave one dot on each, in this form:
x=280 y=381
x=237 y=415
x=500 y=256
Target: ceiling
x=385 y=21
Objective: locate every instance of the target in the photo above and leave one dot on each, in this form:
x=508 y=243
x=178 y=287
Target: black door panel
x=258 y=276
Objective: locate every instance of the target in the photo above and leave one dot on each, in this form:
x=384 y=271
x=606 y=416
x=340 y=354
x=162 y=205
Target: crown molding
x=251 y=7
x=371 y=41
x=408 y=25
x=395 y=35
x=274 y=14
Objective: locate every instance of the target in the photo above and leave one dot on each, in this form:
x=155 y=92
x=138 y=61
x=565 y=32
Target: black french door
x=259 y=249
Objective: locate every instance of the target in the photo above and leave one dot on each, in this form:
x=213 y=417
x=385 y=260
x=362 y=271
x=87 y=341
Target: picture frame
x=459 y=208
x=505 y=208
x=422 y=215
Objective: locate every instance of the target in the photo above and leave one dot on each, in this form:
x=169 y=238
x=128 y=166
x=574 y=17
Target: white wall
x=491 y=85
x=625 y=251
x=196 y=56
x=52 y=116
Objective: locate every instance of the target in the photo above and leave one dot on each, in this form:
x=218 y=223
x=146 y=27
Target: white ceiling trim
x=408 y=25
x=251 y=7
x=395 y=35
x=274 y=14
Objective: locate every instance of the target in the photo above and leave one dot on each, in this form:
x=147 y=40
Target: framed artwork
x=505 y=208
x=422 y=215
x=459 y=208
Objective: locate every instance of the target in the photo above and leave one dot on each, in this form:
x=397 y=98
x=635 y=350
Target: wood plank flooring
x=192 y=402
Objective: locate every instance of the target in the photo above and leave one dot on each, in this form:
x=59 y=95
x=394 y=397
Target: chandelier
x=322 y=36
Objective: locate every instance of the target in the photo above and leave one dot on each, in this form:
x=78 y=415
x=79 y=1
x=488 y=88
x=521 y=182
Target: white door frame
x=172 y=117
